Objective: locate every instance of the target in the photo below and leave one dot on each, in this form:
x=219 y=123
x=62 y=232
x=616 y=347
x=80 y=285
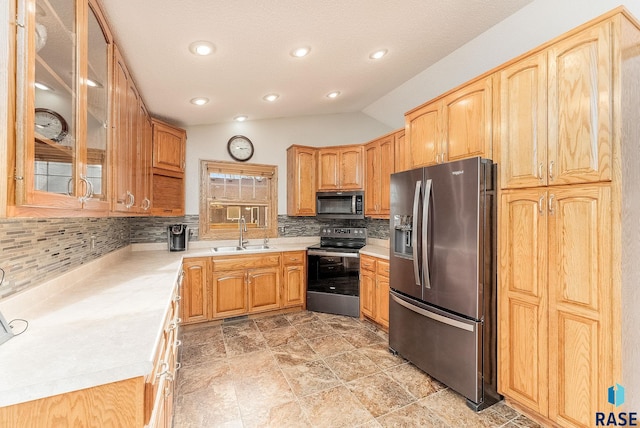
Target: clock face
x=50 y=124
x=240 y=148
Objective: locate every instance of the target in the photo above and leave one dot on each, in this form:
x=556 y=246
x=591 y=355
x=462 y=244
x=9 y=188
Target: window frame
x=249 y=169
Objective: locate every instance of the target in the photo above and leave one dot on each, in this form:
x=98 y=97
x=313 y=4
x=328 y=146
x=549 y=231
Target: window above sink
x=230 y=191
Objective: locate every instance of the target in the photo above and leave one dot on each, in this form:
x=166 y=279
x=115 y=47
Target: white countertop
x=97 y=324
x=379 y=250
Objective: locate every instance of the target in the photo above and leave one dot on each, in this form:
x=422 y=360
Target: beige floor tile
x=252 y=364
x=330 y=345
x=294 y=353
x=196 y=334
x=417 y=382
x=259 y=393
x=192 y=378
x=239 y=328
x=380 y=394
x=269 y=323
x=287 y=415
x=196 y=353
x=313 y=329
x=301 y=317
x=351 y=365
x=310 y=377
x=413 y=415
x=452 y=409
x=524 y=422
x=380 y=354
x=208 y=407
x=343 y=324
x=344 y=411
x=281 y=336
x=362 y=337
x=244 y=344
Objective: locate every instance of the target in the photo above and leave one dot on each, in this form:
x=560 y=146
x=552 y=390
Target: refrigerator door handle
x=432 y=315
x=425 y=233
x=414 y=232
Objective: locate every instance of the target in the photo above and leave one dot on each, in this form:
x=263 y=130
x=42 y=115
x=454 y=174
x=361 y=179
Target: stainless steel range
x=333 y=269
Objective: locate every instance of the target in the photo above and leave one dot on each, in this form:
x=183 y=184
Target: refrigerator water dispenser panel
x=402 y=225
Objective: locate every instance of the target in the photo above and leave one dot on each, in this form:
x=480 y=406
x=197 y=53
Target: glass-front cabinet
x=62 y=110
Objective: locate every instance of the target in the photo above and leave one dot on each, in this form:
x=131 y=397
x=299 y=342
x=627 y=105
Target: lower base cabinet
x=374 y=289
x=227 y=286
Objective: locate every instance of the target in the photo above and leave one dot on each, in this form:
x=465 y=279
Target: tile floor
x=308 y=369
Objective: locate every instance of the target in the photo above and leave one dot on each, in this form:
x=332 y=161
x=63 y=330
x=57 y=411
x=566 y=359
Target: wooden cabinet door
x=264 y=289
x=372 y=178
x=580 y=102
x=169 y=144
x=387 y=153
x=523 y=296
x=133 y=122
x=294 y=286
x=350 y=168
x=195 y=290
x=142 y=175
x=523 y=130
x=423 y=129
x=580 y=295
x=382 y=292
x=328 y=164
x=368 y=293
x=301 y=181
x=229 y=294
x=121 y=152
x=467 y=118
x=402 y=154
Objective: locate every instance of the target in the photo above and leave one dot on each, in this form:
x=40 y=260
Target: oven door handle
x=333 y=254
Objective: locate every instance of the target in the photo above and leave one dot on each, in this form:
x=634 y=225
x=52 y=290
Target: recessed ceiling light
x=202 y=47
x=271 y=97
x=241 y=118
x=200 y=101
x=378 y=54
x=301 y=51
x=333 y=94
x=42 y=86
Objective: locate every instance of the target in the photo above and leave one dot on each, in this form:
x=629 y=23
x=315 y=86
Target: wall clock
x=50 y=124
x=240 y=148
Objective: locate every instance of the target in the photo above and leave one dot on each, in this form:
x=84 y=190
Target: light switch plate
x=5 y=330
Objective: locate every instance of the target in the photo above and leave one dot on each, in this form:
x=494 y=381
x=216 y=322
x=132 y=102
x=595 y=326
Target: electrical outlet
x=282 y=229
x=92 y=242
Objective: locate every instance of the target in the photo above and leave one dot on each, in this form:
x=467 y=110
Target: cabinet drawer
x=293 y=257
x=383 y=268
x=244 y=262
x=367 y=263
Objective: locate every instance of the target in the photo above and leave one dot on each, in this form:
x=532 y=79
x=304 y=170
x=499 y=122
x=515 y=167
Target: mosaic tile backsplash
x=37 y=250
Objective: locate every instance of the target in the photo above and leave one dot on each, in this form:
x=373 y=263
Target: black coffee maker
x=178 y=237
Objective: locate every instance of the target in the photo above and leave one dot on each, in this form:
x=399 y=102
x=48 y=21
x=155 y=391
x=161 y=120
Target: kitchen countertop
x=376 y=250
x=99 y=323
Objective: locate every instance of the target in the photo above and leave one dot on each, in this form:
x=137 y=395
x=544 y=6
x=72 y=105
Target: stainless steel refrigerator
x=442 y=307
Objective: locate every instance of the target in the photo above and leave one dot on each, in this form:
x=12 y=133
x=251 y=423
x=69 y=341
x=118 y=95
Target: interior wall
x=271 y=139
x=533 y=25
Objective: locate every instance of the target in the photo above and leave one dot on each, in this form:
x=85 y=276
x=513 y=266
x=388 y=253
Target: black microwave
x=346 y=205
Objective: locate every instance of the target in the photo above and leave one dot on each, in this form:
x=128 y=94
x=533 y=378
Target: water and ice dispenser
x=403 y=232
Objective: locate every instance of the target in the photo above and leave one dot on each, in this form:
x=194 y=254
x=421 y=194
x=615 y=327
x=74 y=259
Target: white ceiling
x=253 y=40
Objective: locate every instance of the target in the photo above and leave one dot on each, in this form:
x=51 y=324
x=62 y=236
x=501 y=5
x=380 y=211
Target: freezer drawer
x=447 y=347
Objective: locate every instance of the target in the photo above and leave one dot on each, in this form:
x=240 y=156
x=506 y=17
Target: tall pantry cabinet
x=566 y=137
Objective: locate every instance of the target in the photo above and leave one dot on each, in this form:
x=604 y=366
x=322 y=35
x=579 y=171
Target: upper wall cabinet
x=340 y=168
x=62 y=99
x=379 y=163
x=169 y=149
x=454 y=127
x=558 y=129
x=301 y=181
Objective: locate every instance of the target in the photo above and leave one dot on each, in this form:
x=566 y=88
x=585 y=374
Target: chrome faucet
x=242 y=225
